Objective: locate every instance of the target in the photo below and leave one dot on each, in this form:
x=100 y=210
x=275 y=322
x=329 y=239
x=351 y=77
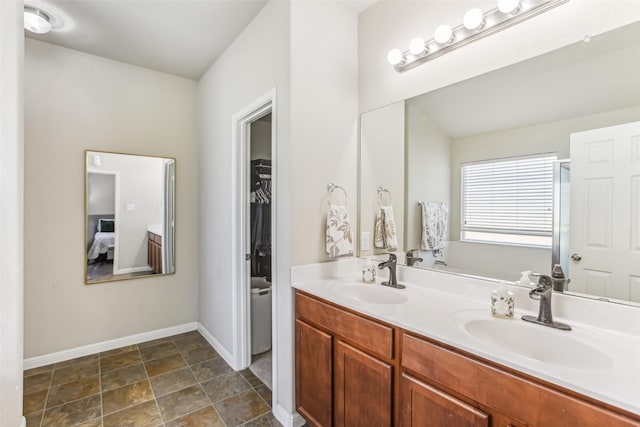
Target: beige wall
x=255 y=63
x=75 y=101
x=382 y=159
x=324 y=120
x=428 y=170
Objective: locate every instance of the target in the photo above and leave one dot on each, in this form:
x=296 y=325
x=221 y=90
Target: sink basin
x=537 y=342
x=372 y=294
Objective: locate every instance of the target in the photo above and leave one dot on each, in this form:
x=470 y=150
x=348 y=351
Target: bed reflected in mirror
x=129 y=216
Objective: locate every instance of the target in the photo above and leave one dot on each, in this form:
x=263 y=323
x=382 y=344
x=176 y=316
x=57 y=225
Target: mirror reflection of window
x=508 y=201
x=130 y=216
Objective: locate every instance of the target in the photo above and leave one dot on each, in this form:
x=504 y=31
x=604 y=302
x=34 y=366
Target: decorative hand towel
x=339 y=241
x=434 y=226
x=385 y=233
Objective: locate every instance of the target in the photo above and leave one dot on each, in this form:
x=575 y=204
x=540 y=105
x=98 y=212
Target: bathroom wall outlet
x=365 y=241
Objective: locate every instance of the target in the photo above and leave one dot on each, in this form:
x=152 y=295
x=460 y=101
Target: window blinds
x=511 y=196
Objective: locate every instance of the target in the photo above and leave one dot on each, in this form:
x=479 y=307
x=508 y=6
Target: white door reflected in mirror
x=129 y=216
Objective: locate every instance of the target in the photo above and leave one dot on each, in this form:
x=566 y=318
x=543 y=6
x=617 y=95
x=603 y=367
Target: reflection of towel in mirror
x=339 y=241
x=384 y=235
x=434 y=226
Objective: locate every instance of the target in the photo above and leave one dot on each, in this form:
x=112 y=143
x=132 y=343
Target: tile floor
x=178 y=381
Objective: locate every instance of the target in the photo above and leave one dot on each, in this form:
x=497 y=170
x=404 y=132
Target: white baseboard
x=23 y=422
x=222 y=351
x=133 y=270
x=287 y=419
x=85 y=350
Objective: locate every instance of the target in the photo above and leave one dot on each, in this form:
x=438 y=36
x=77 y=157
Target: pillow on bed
x=106 y=225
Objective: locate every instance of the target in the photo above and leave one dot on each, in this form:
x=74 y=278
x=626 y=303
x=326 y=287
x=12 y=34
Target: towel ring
x=331 y=187
x=381 y=191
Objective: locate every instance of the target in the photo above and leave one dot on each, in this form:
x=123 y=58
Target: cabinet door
x=363 y=389
x=313 y=374
x=424 y=405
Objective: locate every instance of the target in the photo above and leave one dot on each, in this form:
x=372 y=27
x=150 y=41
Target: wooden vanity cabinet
x=510 y=399
x=154 y=252
x=314 y=371
x=350 y=373
x=344 y=366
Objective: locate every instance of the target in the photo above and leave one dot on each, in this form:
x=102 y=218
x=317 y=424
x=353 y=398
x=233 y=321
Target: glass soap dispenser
x=368 y=271
x=502 y=302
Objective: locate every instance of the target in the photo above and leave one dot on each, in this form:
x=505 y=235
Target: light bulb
x=443 y=34
x=508 y=6
x=473 y=19
x=394 y=56
x=417 y=46
x=36 y=20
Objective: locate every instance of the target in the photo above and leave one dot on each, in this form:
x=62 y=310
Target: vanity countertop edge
x=430 y=312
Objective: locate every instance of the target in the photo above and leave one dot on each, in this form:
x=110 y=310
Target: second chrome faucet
x=391 y=264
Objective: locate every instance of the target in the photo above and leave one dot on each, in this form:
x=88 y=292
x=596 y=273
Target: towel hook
x=331 y=187
x=382 y=190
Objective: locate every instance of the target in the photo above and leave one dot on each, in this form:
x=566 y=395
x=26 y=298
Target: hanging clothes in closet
x=261 y=218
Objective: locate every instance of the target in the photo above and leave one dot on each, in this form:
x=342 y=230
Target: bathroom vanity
x=356 y=365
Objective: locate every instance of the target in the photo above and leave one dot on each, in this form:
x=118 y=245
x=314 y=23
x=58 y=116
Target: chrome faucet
x=391 y=265
x=543 y=292
x=412 y=257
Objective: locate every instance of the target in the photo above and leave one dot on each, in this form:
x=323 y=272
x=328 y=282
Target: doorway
x=254 y=247
x=260 y=204
x=103 y=188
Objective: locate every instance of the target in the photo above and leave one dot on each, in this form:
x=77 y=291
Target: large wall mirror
x=519 y=169
x=130 y=216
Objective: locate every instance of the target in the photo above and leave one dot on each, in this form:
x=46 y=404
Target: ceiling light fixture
x=508 y=6
x=473 y=19
x=417 y=46
x=36 y=21
x=443 y=34
x=395 y=56
x=476 y=25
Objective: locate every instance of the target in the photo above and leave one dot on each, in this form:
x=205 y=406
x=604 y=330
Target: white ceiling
x=579 y=80
x=180 y=37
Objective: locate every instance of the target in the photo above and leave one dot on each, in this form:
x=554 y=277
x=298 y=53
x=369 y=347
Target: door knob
x=576 y=257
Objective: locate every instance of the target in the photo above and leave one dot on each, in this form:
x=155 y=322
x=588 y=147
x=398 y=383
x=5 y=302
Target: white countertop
x=438 y=304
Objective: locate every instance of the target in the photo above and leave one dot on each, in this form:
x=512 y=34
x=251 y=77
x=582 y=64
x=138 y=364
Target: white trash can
x=260 y=315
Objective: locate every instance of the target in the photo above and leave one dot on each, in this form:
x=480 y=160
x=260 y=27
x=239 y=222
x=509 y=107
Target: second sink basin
x=372 y=294
x=535 y=342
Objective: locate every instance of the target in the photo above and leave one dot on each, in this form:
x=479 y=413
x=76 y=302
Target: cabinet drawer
x=424 y=405
x=531 y=403
x=370 y=335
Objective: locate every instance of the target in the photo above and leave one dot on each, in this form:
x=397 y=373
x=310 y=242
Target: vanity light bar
x=476 y=26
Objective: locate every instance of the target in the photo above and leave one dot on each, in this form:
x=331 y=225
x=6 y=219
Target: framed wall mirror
x=515 y=170
x=129 y=216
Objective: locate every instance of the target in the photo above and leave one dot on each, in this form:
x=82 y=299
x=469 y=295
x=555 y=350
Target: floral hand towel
x=434 y=226
x=339 y=240
x=385 y=233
